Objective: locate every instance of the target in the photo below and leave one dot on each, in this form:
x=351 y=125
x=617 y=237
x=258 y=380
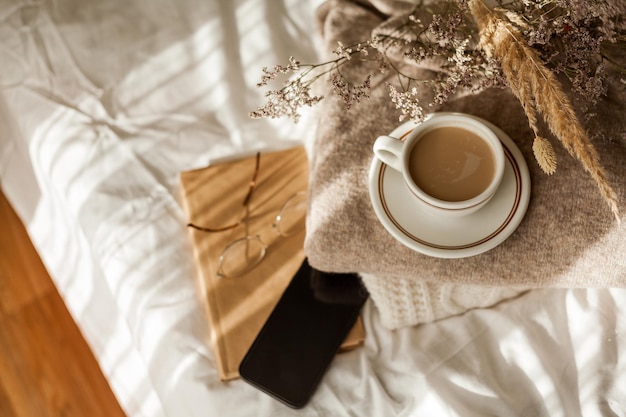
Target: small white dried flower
x=286 y=101
x=343 y=52
x=375 y=42
x=294 y=65
x=407 y=102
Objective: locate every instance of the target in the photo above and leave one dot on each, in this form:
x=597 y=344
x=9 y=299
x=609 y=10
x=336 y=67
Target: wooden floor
x=46 y=368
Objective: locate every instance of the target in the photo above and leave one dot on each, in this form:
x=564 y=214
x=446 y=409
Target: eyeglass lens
x=242 y=255
x=290 y=218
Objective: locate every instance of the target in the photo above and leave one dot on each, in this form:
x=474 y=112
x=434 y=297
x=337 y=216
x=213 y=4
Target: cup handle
x=389 y=150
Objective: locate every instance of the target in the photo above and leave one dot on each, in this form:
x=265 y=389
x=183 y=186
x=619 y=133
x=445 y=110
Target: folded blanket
x=568 y=237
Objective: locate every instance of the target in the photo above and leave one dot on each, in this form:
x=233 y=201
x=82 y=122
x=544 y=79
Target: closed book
x=213 y=198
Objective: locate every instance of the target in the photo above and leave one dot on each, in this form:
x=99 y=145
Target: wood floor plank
x=46 y=367
x=23 y=277
x=6 y=406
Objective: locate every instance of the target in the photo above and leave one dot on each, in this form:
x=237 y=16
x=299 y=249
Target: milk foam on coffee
x=451 y=164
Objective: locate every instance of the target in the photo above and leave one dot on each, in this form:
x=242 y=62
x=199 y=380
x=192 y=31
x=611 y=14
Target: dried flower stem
x=538 y=89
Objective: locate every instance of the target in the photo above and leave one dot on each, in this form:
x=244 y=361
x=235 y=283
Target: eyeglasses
x=244 y=254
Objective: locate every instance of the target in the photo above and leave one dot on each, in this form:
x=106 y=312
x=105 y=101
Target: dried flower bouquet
x=548 y=52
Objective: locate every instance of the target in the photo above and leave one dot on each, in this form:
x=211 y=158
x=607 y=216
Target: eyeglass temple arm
x=246 y=200
x=252 y=183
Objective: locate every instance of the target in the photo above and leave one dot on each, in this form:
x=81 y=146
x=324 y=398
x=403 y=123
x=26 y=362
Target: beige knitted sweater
x=568 y=237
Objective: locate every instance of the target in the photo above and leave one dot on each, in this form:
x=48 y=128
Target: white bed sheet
x=103 y=103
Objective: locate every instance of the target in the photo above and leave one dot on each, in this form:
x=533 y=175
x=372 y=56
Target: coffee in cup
x=452 y=163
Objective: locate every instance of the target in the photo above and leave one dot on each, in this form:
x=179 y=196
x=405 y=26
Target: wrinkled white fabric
x=102 y=104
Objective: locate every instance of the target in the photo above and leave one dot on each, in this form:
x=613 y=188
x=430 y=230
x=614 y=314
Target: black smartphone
x=303 y=333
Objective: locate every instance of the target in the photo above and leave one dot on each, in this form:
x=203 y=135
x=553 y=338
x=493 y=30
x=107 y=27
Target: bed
x=103 y=104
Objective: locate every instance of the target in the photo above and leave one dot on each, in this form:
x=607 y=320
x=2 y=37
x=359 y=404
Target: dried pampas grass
x=539 y=91
x=544 y=154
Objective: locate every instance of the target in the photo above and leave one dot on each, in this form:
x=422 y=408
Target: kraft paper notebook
x=213 y=197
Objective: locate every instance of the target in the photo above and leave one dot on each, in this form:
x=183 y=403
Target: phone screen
x=302 y=334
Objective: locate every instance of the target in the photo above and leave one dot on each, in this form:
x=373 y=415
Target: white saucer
x=445 y=237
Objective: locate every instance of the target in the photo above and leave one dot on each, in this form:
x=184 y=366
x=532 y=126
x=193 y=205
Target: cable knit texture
x=568 y=237
x=409 y=301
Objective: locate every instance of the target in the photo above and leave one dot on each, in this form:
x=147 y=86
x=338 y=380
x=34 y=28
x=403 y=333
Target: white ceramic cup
x=395 y=153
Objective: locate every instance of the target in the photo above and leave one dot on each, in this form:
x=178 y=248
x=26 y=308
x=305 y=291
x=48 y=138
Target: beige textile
x=238 y=307
x=568 y=237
